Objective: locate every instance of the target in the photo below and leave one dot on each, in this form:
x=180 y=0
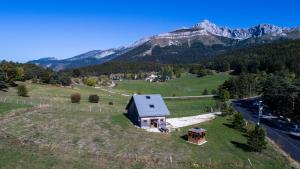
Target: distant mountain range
x=186 y=45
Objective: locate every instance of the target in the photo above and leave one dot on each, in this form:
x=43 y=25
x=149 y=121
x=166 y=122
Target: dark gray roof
x=197 y=130
x=150 y=105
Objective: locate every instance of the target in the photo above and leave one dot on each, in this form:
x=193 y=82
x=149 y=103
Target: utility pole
x=260 y=109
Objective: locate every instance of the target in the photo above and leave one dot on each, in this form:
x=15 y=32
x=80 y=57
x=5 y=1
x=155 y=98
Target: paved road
x=289 y=144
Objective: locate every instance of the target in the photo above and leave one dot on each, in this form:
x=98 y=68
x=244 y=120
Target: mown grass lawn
x=86 y=135
x=226 y=148
x=191 y=107
x=187 y=85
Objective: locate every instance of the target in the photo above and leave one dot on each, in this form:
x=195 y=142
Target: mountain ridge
x=180 y=46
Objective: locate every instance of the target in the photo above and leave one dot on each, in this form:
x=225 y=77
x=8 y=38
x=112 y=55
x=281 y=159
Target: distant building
x=151 y=78
x=148 y=111
x=197 y=136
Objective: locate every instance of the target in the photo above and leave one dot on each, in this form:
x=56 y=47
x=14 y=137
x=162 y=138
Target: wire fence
x=63 y=104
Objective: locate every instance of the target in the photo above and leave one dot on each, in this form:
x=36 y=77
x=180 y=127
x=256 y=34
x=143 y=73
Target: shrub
x=110 y=103
x=22 y=91
x=90 y=81
x=94 y=98
x=75 y=98
x=205 y=92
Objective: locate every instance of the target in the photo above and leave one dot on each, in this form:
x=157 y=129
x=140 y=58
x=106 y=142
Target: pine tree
x=238 y=121
x=256 y=140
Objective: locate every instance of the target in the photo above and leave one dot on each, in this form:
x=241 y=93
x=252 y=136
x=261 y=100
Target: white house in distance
x=151 y=78
x=148 y=111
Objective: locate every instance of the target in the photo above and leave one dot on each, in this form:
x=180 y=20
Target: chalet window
x=151 y=105
x=145 y=121
x=161 y=120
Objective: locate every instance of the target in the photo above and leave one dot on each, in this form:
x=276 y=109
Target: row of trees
x=282 y=95
x=280 y=91
x=237 y=87
x=11 y=72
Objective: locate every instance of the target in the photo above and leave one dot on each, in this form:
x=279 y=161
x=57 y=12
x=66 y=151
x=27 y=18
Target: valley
x=60 y=134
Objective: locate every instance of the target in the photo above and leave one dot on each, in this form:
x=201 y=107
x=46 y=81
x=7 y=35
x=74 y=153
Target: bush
x=90 y=81
x=75 y=98
x=94 y=98
x=22 y=91
x=110 y=103
x=205 y=92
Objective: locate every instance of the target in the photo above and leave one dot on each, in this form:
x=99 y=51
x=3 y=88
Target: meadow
x=191 y=107
x=54 y=133
x=187 y=85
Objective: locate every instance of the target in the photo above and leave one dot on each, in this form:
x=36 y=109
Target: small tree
x=238 y=121
x=224 y=95
x=94 y=98
x=22 y=91
x=75 y=98
x=256 y=140
x=224 y=108
x=205 y=92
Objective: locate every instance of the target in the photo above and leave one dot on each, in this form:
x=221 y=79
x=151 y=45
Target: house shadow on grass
x=129 y=119
x=242 y=146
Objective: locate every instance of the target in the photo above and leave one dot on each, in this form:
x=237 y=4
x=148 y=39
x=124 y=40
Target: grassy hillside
x=58 y=134
x=188 y=85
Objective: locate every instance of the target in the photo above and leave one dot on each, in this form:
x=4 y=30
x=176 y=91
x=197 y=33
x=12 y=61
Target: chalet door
x=154 y=123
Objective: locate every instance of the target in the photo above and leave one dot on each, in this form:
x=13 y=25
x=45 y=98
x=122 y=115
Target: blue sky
x=31 y=29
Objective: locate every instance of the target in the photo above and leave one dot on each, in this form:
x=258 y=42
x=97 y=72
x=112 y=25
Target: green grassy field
x=190 y=107
x=60 y=134
x=6 y=107
x=187 y=85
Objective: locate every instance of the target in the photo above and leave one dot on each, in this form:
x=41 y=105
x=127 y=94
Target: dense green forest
x=135 y=68
x=272 y=71
x=279 y=56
